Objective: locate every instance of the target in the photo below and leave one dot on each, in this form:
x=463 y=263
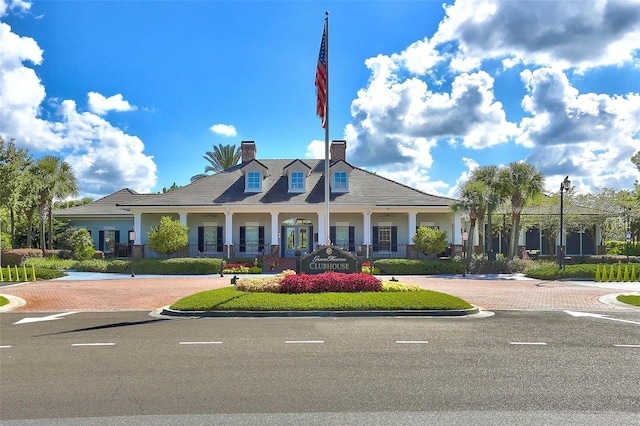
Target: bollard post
x=9 y=273
x=33 y=273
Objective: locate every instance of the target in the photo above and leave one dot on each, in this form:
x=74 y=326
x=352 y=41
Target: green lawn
x=230 y=299
x=629 y=299
x=3 y=301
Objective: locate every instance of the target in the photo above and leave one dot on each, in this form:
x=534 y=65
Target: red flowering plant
x=329 y=282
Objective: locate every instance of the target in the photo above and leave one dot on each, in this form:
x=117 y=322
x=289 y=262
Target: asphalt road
x=132 y=368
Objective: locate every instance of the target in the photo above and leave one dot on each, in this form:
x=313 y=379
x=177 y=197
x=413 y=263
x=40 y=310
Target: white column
x=412 y=227
x=137 y=226
x=367 y=231
x=183 y=218
x=274 y=229
x=228 y=231
x=457 y=229
x=321 y=229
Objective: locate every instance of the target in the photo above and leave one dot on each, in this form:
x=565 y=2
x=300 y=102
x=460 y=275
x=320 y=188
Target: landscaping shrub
x=551 y=271
x=93 y=265
x=418 y=267
x=620 y=248
x=480 y=264
x=269 y=283
x=51 y=263
x=392 y=287
x=242 y=268
x=329 y=282
x=14 y=257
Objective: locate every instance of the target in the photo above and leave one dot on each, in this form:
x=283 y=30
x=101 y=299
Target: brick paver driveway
x=149 y=293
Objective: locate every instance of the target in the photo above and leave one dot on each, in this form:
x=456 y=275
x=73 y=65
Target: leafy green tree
x=430 y=240
x=79 y=241
x=221 y=158
x=169 y=237
x=519 y=182
x=14 y=163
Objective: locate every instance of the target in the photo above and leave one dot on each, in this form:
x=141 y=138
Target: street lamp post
x=465 y=237
x=564 y=186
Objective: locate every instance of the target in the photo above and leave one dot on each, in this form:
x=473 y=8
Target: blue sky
x=133 y=93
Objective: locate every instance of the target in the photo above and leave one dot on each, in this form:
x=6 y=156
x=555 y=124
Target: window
x=340 y=181
x=296 y=181
x=254 y=181
x=209 y=238
x=384 y=238
x=252 y=239
x=107 y=240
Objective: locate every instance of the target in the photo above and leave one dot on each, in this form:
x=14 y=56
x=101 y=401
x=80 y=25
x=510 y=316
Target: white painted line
x=304 y=341
x=627 y=346
x=93 y=344
x=5 y=347
x=200 y=343
x=411 y=342
x=529 y=343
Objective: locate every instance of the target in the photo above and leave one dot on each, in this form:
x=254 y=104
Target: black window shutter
x=394 y=238
x=117 y=237
x=200 y=238
x=375 y=238
x=311 y=240
x=219 y=238
x=352 y=239
x=260 y=238
x=282 y=240
x=101 y=240
x=332 y=234
x=243 y=233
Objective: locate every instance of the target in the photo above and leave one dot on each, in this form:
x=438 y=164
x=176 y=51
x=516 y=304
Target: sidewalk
x=116 y=292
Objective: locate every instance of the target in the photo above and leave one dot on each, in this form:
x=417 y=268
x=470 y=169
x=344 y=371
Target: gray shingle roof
x=106 y=206
x=227 y=187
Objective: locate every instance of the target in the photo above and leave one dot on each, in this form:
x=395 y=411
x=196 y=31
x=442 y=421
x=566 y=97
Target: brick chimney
x=248 y=149
x=338 y=150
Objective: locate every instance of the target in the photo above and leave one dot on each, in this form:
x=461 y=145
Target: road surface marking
x=627 y=346
x=200 y=343
x=93 y=344
x=411 y=342
x=5 y=347
x=529 y=343
x=304 y=341
x=47 y=318
x=599 y=316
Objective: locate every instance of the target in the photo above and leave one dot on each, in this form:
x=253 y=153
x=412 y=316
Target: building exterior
x=272 y=208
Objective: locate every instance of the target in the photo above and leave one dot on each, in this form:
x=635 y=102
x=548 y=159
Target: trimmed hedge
x=18 y=257
x=172 y=266
x=418 y=267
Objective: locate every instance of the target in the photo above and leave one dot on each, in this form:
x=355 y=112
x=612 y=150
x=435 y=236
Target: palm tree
x=472 y=201
x=55 y=180
x=489 y=176
x=519 y=182
x=222 y=158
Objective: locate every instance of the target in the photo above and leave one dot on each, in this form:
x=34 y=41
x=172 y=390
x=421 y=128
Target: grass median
x=630 y=299
x=230 y=299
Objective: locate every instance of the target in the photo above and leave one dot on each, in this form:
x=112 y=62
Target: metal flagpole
x=326 y=134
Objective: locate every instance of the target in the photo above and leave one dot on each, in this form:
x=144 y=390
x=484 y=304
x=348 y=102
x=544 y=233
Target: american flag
x=321 y=80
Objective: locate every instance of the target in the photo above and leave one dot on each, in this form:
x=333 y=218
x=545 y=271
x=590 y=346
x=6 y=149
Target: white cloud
x=315 y=150
x=104 y=157
x=224 y=129
x=588 y=136
x=562 y=33
x=19 y=6
x=101 y=105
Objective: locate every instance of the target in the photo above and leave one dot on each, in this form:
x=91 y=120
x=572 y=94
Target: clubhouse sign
x=329 y=259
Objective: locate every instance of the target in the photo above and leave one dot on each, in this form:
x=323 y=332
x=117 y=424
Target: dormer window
x=254 y=173
x=340 y=182
x=296 y=182
x=254 y=181
x=339 y=172
x=296 y=173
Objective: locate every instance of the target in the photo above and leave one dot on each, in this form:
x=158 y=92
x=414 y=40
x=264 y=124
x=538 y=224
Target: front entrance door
x=296 y=238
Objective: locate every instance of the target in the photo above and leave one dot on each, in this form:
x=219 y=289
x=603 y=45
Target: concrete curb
x=14 y=303
x=165 y=311
x=612 y=299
